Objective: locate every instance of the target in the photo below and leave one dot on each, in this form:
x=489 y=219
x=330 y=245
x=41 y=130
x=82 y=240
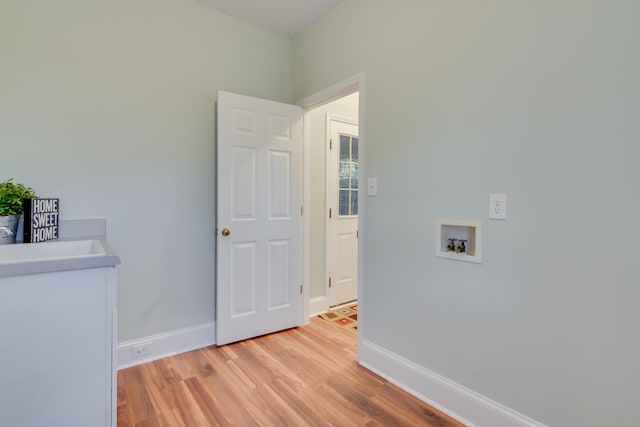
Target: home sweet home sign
x=41 y=220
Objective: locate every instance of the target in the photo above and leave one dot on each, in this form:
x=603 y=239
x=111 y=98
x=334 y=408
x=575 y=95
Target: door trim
x=346 y=87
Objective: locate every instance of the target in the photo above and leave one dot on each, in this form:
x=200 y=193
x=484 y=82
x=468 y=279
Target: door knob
x=226 y=232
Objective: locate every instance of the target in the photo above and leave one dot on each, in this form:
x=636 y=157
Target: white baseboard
x=466 y=406
x=318 y=305
x=166 y=344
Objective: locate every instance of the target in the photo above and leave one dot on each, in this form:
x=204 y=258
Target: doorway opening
x=333 y=172
x=341 y=167
x=334 y=150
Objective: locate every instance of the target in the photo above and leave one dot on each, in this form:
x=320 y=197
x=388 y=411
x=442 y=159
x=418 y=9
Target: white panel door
x=259 y=240
x=342 y=184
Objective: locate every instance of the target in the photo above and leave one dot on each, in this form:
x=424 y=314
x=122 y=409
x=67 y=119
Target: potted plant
x=11 y=207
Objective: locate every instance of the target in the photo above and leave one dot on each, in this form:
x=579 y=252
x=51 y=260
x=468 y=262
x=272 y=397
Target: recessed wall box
x=459 y=239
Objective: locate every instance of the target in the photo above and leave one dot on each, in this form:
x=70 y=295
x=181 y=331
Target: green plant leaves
x=12 y=195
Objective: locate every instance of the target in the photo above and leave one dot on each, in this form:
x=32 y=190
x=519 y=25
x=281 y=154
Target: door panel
x=279 y=256
x=243 y=279
x=259 y=197
x=243 y=190
x=279 y=185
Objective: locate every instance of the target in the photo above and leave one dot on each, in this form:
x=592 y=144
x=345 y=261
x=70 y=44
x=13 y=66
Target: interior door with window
x=259 y=236
x=342 y=193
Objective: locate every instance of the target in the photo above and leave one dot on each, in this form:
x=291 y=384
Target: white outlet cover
x=498 y=206
x=141 y=350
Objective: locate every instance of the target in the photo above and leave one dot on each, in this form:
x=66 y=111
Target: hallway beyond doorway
x=345 y=316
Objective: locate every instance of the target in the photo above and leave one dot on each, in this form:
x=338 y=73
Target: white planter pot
x=8 y=229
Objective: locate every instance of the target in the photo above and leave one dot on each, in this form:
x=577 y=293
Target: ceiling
x=285 y=17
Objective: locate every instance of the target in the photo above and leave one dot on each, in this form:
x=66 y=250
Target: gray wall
x=345 y=107
x=537 y=99
x=110 y=106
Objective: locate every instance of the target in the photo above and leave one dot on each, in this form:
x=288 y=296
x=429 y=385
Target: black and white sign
x=41 y=220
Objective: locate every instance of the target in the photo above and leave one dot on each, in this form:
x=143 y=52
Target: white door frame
x=339 y=90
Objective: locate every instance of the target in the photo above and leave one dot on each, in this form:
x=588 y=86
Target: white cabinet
x=57 y=338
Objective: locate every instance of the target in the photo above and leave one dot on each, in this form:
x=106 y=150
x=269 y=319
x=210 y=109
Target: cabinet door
x=56 y=362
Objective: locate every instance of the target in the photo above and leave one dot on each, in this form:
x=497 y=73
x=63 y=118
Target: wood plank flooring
x=305 y=376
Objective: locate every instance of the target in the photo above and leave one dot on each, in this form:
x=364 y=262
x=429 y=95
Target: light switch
x=372 y=187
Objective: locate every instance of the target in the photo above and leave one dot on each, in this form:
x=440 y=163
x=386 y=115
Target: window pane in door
x=343 y=202
x=345 y=172
x=345 y=153
x=354 y=176
x=354 y=149
x=354 y=202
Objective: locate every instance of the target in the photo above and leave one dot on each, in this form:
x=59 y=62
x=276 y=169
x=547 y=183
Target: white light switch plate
x=372 y=187
x=497 y=206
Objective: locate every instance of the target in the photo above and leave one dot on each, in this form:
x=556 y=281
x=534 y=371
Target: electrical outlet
x=497 y=206
x=142 y=350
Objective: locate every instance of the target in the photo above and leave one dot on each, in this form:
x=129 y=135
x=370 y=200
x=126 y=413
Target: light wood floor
x=305 y=376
